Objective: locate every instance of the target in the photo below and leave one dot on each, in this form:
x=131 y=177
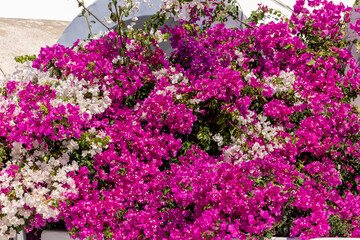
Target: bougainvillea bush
x=240 y=133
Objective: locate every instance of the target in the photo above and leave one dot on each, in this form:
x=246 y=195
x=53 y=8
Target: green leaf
x=301 y=180
x=228 y=8
x=122 y=171
x=25 y=58
x=268 y=235
x=311 y=62
x=288 y=46
x=44 y=108
x=113 y=17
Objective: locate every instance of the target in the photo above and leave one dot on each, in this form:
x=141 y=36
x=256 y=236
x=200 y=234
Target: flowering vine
x=240 y=133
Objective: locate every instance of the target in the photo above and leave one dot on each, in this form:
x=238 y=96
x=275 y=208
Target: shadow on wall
x=78 y=28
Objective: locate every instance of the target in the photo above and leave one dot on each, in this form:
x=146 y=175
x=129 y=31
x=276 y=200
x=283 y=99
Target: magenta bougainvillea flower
x=237 y=134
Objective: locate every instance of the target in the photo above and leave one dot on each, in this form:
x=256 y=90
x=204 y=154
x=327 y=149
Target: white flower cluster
x=218 y=139
x=39 y=184
x=235 y=152
x=131 y=46
x=256 y=127
x=70 y=145
x=175 y=78
x=23 y=74
x=282 y=83
x=240 y=58
x=169 y=90
x=91 y=98
x=83 y=42
x=157 y=35
x=116 y=60
x=42 y=179
x=174 y=5
x=249 y=76
x=96 y=36
x=264 y=129
x=131 y=7
x=160 y=73
x=245 y=120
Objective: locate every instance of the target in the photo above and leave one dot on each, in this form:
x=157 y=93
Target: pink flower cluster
x=239 y=134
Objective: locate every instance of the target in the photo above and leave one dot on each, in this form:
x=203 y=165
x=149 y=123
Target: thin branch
x=283 y=5
x=2 y=72
x=246 y=24
x=87 y=20
x=119 y=30
x=82 y=4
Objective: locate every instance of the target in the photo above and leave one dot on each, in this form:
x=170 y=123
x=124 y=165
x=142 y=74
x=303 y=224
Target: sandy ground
x=20 y=37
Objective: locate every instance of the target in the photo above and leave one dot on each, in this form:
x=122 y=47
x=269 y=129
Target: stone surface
x=55 y=235
x=20 y=37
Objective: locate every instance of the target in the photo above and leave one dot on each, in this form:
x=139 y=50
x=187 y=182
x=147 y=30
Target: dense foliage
x=240 y=133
